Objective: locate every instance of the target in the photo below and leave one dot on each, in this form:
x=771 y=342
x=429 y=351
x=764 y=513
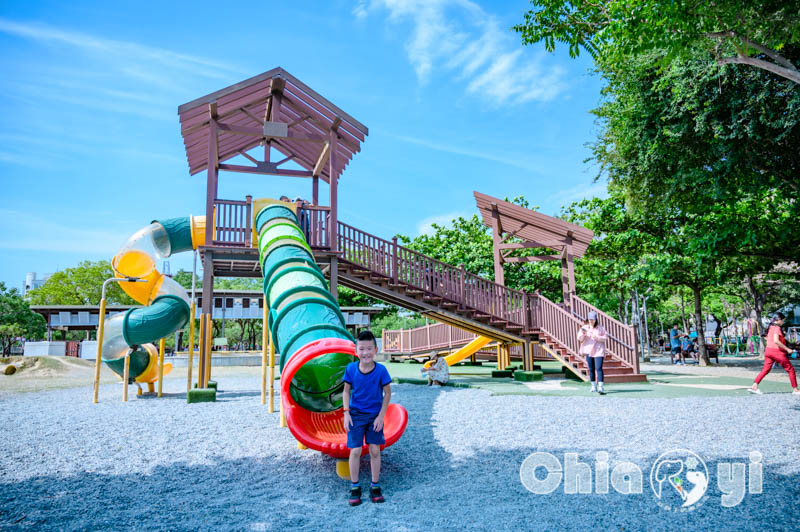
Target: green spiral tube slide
x=167 y=302
x=301 y=310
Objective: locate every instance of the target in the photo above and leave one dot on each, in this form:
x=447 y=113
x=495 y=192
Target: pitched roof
x=533 y=226
x=242 y=109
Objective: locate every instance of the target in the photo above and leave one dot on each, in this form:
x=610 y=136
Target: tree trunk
x=683 y=313
x=699 y=326
x=759 y=298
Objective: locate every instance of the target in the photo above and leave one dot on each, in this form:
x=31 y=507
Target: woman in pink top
x=776 y=346
x=592 y=338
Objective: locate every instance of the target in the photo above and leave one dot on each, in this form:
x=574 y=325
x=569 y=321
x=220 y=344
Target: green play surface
x=662 y=383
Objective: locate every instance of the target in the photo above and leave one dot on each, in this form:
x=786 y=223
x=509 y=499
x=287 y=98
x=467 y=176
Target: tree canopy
x=17 y=319
x=756 y=33
x=81 y=285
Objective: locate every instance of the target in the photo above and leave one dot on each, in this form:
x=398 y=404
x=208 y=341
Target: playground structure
x=277 y=113
x=303 y=252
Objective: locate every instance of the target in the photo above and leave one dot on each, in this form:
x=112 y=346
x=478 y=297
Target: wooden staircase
x=401 y=276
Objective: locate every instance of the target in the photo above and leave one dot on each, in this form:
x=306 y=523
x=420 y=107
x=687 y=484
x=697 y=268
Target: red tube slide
x=324 y=431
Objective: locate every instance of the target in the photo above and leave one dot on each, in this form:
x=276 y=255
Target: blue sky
x=90 y=145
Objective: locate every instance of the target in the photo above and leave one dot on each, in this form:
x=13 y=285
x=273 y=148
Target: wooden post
x=248 y=229
x=499 y=277
x=315 y=190
x=334 y=192
x=499 y=357
x=213 y=170
x=463 y=298
x=208 y=304
x=201 y=350
x=395 y=260
x=161 y=347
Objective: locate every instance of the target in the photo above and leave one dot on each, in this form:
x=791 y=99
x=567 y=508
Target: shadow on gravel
x=425 y=487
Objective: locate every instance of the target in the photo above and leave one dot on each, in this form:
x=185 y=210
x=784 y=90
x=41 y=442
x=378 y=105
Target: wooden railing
x=403 y=265
x=233 y=222
x=314 y=221
x=436 y=336
x=621 y=337
x=555 y=321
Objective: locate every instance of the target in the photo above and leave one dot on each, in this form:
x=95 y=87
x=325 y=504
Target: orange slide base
x=324 y=431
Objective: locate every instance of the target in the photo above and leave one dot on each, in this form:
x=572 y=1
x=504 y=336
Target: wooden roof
x=532 y=226
x=244 y=113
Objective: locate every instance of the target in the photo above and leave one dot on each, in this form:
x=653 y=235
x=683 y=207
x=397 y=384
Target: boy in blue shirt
x=367 y=391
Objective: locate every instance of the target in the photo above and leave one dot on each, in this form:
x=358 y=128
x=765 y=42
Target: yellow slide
x=465 y=351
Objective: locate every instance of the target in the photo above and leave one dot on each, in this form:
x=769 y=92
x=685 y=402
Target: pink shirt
x=593 y=341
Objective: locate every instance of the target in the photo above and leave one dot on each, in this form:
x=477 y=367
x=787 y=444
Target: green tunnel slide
x=301 y=309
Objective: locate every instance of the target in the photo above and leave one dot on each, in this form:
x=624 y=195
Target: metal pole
x=209 y=344
x=101 y=322
x=125 y=375
x=201 y=350
x=160 y=365
x=271 y=373
x=264 y=355
x=191 y=346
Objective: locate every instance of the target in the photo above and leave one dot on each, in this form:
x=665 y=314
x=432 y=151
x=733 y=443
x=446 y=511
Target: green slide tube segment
x=271 y=212
x=301 y=309
x=166 y=315
x=179 y=231
x=139 y=362
x=286 y=255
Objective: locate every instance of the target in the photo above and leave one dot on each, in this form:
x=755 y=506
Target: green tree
x=755 y=33
x=17 y=319
x=81 y=285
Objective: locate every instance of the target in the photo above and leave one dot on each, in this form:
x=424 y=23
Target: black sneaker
x=375 y=494
x=355 y=496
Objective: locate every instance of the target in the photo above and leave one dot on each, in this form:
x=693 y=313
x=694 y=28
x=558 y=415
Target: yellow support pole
x=201 y=350
x=125 y=374
x=280 y=399
x=499 y=357
x=209 y=344
x=160 y=366
x=97 y=362
x=191 y=347
x=264 y=349
x=271 y=374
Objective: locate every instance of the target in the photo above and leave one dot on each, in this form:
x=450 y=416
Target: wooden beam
x=528 y=245
x=323 y=158
x=264 y=169
x=251 y=115
x=240 y=130
x=249 y=157
x=532 y=258
x=212 y=111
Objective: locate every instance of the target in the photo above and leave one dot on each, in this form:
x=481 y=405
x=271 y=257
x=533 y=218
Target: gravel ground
x=164 y=465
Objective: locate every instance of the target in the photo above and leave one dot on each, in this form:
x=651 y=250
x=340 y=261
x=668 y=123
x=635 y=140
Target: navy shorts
x=362 y=430
x=676 y=350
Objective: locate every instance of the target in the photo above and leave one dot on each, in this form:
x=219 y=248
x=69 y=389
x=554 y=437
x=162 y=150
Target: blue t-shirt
x=366 y=393
x=674 y=341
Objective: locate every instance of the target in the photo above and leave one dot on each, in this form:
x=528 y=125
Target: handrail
x=419 y=271
x=623 y=337
x=564 y=326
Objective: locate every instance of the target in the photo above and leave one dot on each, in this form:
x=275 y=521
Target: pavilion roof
x=532 y=226
x=245 y=111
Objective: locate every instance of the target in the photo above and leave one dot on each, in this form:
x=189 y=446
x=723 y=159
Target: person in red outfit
x=776 y=351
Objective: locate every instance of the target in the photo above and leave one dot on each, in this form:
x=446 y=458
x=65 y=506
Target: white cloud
x=510 y=161
x=580 y=192
x=425 y=227
x=137 y=52
x=459 y=37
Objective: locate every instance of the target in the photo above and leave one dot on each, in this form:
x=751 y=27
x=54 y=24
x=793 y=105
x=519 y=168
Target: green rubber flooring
x=663 y=383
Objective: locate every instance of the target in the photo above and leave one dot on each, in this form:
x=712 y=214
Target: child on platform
x=367 y=391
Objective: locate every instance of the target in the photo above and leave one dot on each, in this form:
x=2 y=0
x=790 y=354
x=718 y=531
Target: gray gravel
x=164 y=465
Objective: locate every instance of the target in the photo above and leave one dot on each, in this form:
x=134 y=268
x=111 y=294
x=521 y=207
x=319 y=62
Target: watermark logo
x=679 y=480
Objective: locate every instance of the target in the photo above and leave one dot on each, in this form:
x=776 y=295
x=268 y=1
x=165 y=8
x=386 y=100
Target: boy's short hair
x=367 y=336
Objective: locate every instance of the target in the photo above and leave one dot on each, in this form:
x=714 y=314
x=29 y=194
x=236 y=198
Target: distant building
x=32 y=282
